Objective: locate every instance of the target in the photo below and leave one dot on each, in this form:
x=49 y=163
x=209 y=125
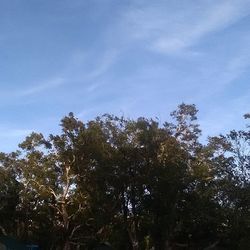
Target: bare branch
x=74 y=230
x=212 y=245
x=3 y=230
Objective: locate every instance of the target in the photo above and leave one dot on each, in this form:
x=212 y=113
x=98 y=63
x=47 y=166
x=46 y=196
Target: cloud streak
x=39 y=88
x=162 y=31
x=34 y=89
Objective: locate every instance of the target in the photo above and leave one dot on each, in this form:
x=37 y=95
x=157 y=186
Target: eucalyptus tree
x=145 y=175
x=239 y=194
x=9 y=194
x=50 y=185
x=132 y=183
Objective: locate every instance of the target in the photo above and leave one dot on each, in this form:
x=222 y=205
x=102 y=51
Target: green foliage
x=132 y=183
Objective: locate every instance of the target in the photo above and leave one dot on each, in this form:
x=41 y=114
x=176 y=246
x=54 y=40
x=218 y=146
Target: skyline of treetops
x=125 y=125
x=130 y=184
x=143 y=60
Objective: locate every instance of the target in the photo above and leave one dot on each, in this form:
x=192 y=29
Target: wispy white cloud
x=40 y=87
x=171 y=29
x=89 y=68
x=83 y=70
x=32 y=89
x=107 y=60
x=9 y=95
x=216 y=77
x=218 y=17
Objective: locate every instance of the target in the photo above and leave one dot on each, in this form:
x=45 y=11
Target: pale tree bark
x=3 y=230
x=133 y=236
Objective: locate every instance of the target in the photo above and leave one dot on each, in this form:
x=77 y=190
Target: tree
x=48 y=176
x=9 y=194
x=133 y=184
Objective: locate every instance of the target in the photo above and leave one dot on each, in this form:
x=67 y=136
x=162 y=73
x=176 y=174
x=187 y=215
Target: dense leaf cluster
x=131 y=184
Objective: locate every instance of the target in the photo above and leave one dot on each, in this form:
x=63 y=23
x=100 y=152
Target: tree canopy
x=129 y=184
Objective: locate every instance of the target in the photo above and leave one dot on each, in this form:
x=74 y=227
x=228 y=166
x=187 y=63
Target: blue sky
x=129 y=57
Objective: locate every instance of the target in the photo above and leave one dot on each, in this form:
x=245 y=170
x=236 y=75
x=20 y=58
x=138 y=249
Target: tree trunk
x=167 y=245
x=66 y=245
